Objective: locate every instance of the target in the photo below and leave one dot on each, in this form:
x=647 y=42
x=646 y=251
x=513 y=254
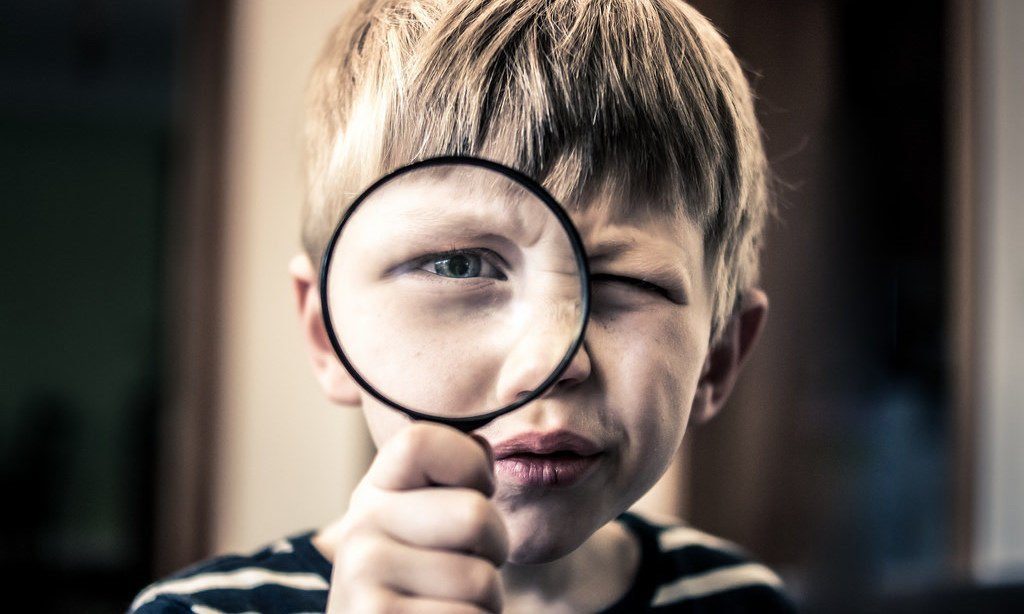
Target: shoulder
x=287 y=575
x=687 y=570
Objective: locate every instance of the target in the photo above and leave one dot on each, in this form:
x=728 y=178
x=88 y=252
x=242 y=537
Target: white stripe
x=202 y=609
x=680 y=537
x=242 y=578
x=282 y=546
x=692 y=587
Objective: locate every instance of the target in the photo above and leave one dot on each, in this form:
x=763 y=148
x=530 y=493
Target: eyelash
x=632 y=281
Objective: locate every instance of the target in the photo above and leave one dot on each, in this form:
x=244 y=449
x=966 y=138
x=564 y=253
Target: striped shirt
x=680 y=570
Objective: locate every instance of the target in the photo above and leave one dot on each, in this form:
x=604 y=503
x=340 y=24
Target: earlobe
x=725 y=359
x=335 y=381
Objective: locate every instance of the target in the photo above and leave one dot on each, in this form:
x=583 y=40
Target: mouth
x=557 y=459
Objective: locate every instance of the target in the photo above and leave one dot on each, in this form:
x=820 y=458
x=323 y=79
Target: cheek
x=651 y=361
x=382 y=421
x=410 y=350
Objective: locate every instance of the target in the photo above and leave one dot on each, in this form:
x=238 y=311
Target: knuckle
x=463 y=608
x=373 y=601
x=363 y=490
x=412 y=442
x=388 y=605
x=476 y=514
x=356 y=520
x=481 y=578
x=359 y=524
x=362 y=558
x=365 y=513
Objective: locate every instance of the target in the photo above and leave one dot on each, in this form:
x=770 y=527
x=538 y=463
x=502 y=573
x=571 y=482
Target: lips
x=555 y=459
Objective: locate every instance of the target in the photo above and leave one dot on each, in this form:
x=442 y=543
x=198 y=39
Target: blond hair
x=643 y=96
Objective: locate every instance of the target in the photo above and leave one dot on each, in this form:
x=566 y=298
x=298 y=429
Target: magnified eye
x=463 y=264
x=458 y=265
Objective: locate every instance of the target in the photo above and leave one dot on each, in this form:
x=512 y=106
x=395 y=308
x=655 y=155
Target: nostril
x=568 y=382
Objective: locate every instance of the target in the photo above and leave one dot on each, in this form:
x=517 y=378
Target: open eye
x=632 y=283
x=463 y=264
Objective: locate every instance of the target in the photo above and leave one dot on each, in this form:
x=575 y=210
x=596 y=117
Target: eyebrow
x=610 y=250
x=469 y=221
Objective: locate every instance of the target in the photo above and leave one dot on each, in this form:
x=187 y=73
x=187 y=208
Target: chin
x=538 y=536
x=540 y=548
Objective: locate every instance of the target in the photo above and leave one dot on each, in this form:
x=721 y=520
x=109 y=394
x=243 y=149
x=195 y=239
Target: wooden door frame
x=191 y=300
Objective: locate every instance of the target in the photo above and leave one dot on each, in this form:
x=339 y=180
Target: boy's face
x=627 y=396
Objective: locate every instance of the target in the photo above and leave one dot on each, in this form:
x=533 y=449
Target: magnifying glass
x=455 y=290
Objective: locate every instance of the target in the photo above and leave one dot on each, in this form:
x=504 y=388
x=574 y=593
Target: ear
x=722 y=366
x=338 y=385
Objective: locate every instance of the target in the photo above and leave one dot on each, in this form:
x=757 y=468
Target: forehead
x=462 y=201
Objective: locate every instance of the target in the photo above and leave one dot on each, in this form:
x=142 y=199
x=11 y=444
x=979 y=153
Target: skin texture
x=432 y=526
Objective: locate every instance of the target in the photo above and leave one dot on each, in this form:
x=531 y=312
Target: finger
x=457 y=519
x=425 y=454
x=431 y=574
x=383 y=600
x=412 y=605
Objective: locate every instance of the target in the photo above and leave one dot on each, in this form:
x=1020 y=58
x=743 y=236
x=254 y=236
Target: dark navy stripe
x=696 y=559
x=163 y=605
x=265 y=558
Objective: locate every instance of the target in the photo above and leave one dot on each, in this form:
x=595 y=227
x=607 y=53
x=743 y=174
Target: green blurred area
x=86 y=92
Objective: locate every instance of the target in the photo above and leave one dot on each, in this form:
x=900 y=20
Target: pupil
x=456 y=266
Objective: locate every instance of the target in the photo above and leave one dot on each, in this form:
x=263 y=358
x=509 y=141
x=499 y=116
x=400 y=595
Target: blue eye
x=458 y=265
x=463 y=264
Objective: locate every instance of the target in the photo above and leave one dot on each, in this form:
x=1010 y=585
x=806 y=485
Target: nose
x=534 y=356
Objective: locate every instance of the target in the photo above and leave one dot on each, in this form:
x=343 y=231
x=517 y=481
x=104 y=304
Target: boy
x=636 y=116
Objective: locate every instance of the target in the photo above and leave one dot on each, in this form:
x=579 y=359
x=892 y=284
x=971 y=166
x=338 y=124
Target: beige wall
x=286 y=459
x=999 y=506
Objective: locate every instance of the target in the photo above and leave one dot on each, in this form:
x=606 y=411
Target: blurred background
x=157 y=406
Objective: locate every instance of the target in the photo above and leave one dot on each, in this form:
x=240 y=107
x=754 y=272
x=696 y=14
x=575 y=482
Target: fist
x=421 y=533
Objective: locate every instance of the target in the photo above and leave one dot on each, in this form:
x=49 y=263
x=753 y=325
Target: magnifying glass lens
x=454 y=290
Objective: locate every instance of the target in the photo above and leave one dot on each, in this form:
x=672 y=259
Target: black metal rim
x=466 y=423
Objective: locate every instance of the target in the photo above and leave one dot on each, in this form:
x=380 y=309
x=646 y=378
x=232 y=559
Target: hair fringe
x=638 y=98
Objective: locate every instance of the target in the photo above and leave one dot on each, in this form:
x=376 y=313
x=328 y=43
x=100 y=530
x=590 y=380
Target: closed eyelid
x=669 y=277
x=646 y=262
x=674 y=295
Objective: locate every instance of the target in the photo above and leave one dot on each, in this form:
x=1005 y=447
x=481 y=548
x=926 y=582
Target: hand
x=421 y=534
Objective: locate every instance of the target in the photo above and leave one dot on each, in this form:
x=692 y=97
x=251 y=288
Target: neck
x=591 y=578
